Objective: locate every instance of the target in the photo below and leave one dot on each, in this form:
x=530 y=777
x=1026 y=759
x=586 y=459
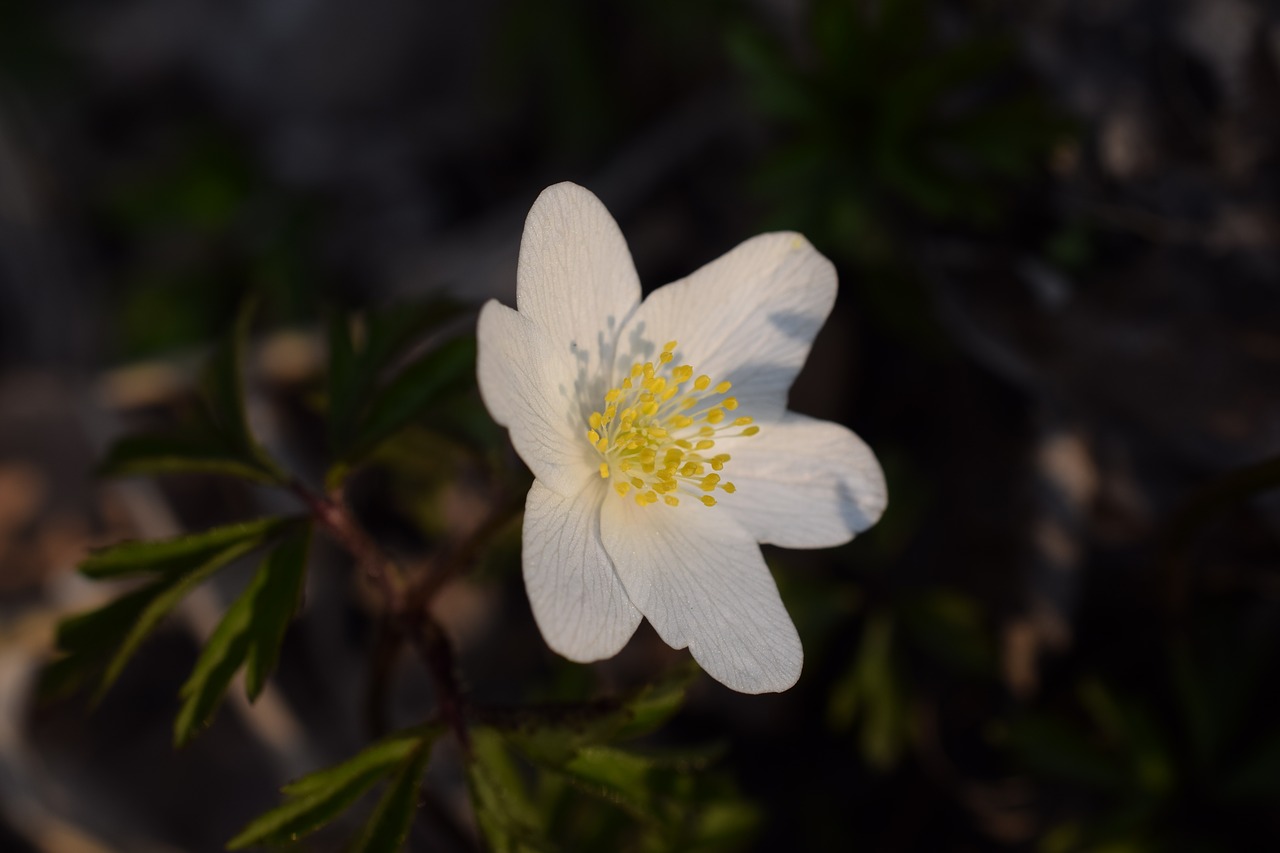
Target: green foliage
x=1142 y=759
x=105 y=639
x=872 y=695
x=578 y=785
x=372 y=394
x=890 y=119
x=181 y=553
x=217 y=440
x=318 y=798
x=249 y=634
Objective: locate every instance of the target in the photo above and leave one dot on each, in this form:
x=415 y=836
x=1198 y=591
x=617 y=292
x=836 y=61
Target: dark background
x=1056 y=228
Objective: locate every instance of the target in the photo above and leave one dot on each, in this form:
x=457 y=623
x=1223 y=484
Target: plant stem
x=404 y=604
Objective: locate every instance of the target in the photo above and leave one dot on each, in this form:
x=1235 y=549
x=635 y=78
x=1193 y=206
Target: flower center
x=658 y=429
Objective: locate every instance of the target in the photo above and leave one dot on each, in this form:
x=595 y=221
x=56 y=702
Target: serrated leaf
x=251 y=629
x=616 y=775
x=506 y=815
x=319 y=797
x=377 y=758
x=387 y=829
x=441 y=372
x=552 y=735
x=179 y=553
x=169 y=590
x=86 y=640
x=277 y=601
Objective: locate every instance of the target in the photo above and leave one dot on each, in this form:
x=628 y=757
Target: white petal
x=749 y=316
x=700 y=580
x=528 y=387
x=804 y=483
x=578 y=602
x=575 y=278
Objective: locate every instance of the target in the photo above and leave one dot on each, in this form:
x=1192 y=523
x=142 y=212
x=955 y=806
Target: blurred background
x=1057 y=226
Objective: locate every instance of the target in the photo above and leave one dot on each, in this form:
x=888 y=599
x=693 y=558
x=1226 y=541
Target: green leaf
x=276 y=602
x=107 y=637
x=184 y=452
x=872 y=695
x=319 y=797
x=180 y=553
x=222 y=656
x=506 y=814
x=1054 y=749
x=342 y=381
x=355 y=371
x=387 y=829
x=616 y=775
x=652 y=705
x=441 y=372
x=169 y=590
x=222 y=383
x=553 y=735
x=251 y=629
x=85 y=640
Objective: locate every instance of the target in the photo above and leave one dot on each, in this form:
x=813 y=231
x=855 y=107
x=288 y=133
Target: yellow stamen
x=653 y=426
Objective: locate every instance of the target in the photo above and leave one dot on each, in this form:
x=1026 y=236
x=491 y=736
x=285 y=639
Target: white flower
x=661 y=444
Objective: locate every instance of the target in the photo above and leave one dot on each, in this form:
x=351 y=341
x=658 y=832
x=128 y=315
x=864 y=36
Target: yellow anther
x=650 y=434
